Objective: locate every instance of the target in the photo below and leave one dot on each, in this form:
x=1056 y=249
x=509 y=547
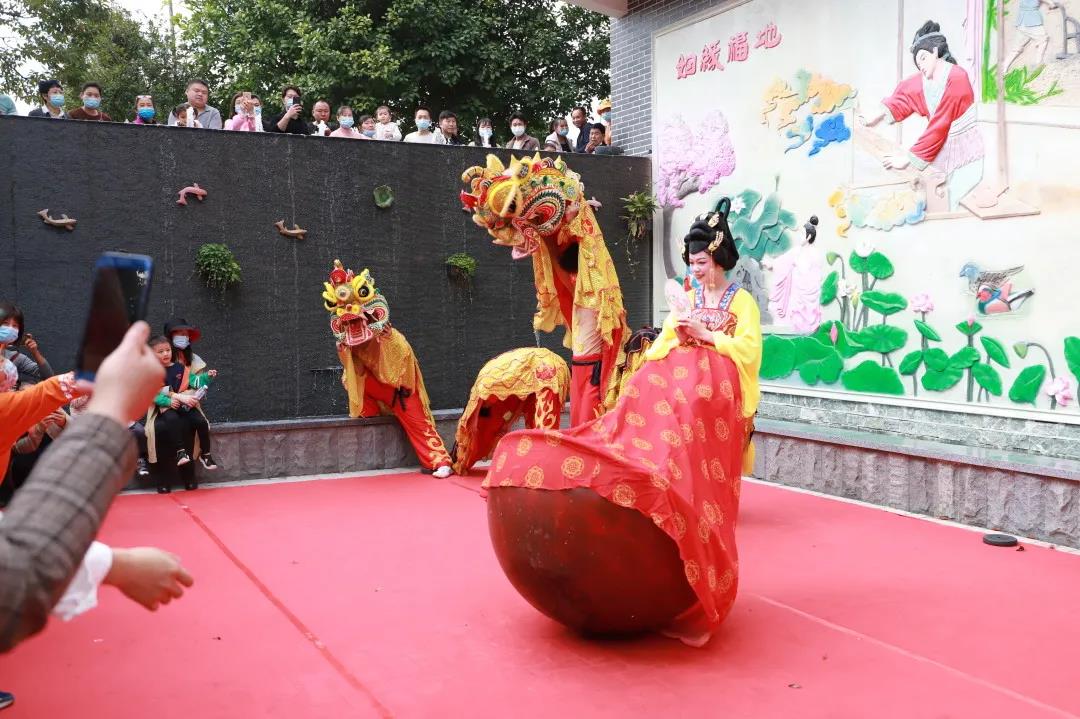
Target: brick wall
x=631 y=66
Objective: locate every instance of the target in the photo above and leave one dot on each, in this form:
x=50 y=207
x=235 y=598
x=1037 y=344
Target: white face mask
x=485 y=132
x=181 y=342
x=518 y=130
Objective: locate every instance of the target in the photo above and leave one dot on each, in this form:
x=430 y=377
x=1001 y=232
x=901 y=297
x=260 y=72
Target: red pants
x=414 y=419
x=585 y=396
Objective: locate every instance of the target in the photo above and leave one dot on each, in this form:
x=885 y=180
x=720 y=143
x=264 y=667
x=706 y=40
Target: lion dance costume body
x=529 y=383
x=381 y=373
x=537 y=207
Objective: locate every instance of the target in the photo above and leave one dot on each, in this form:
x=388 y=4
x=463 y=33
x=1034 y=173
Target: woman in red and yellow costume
x=381 y=373
x=530 y=383
x=677 y=442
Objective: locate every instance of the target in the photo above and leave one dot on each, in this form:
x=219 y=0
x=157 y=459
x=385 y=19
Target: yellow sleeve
x=744 y=348
x=666 y=341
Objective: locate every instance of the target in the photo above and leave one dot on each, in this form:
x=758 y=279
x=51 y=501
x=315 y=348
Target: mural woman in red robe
x=942 y=93
x=675 y=445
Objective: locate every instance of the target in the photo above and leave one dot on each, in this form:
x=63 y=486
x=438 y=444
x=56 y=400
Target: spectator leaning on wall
x=198 y=93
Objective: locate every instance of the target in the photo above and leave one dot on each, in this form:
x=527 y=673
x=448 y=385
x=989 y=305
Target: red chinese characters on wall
x=710 y=57
x=738 y=51
x=769 y=38
x=686 y=66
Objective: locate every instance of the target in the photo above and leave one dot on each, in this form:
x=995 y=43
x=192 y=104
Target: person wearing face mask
x=522 y=140
x=7 y=106
x=244 y=120
x=178 y=376
x=91 y=104
x=367 y=127
x=346 y=125
x=32 y=366
x=30 y=370
x=423 y=133
x=52 y=101
x=290 y=121
x=557 y=141
x=145 y=112
x=484 y=135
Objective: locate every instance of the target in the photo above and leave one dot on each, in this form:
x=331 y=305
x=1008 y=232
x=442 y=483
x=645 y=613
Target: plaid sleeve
x=53 y=519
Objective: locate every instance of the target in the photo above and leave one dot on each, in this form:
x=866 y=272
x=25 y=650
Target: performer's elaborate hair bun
x=929 y=37
x=811 y=229
x=710 y=233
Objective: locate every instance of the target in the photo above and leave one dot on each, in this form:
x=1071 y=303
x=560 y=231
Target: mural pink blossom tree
x=690 y=161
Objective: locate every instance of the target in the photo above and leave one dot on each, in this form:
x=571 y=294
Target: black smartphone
x=120 y=296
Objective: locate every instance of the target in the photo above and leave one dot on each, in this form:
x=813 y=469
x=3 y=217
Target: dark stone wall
x=270 y=338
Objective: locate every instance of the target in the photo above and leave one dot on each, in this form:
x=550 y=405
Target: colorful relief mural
x=866 y=307
x=820 y=102
x=876 y=321
x=1033 y=72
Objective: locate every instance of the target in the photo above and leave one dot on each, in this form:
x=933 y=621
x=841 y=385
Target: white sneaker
x=443 y=472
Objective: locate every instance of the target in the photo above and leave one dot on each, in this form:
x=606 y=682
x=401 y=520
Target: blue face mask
x=146 y=113
x=181 y=342
x=564 y=131
x=56 y=100
x=8 y=334
x=605 y=116
x=346 y=122
x=423 y=124
x=369 y=133
x=92 y=103
x=238 y=109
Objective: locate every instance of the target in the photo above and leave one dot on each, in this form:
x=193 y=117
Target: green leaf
x=777 y=357
x=970 y=330
x=1021 y=349
x=936 y=359
x=884 y=303
x=987 y=377
x=846 y=344
x=829 y=287
x=995 y=350
x=1025 y=389
x=810 y=348
x=911 y=362
x=831 y=257
x=964 y=358
x=827 y=369
x=941 y=380
x=927 y=331
x=858 y=264
x=882 y=338
x=1072 y=355
x=879 y=266
x=872 y=377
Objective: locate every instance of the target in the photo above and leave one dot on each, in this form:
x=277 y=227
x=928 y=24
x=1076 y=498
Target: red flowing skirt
x=671 y=448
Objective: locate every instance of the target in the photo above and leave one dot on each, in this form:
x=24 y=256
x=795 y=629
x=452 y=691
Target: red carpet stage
x=380 y=596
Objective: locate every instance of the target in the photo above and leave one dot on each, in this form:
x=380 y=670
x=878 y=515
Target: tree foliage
x=77 y=41
x=476 y=57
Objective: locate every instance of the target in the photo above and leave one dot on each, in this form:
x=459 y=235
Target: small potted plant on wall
x=639 y=208
x=217 y=266
x=460 y=268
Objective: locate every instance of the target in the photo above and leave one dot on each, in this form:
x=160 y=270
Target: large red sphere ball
x=598 y=568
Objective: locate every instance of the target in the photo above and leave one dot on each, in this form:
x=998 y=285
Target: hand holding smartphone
x=121 y=293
